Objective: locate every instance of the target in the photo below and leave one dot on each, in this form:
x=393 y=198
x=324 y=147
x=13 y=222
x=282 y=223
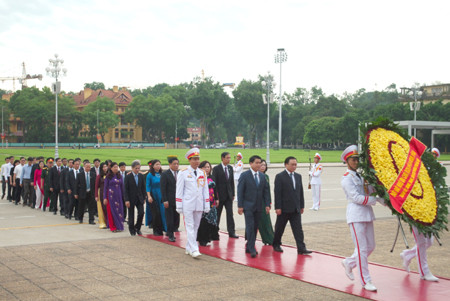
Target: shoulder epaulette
x=346 y=173
x=45 y=168
x=184 y=169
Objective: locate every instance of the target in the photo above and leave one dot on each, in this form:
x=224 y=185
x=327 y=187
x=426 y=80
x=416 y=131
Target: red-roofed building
x=123 y=132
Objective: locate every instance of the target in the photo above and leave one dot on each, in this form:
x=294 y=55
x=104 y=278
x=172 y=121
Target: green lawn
x=212 y=155
x=128 y=155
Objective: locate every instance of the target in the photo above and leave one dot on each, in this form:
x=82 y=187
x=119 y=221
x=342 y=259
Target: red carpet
x=323 y=269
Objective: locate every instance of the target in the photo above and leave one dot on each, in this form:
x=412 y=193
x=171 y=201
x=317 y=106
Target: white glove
x=206 y=210
x=381 y=201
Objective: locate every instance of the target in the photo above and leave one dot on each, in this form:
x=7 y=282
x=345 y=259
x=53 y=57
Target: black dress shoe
x=138 y=232
x=253 y=254
x=91 y=223
x=277 y=249
x=157 y=234
x=133 y=234
x=172 y=239
x=80 y=221
x=54 y=213
x=76 y=218
x=234 y=235
x=304 y=252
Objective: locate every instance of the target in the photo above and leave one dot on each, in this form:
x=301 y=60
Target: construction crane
x=22 y=79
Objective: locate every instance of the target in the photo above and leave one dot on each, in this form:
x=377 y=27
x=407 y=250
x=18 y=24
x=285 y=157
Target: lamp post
x=270 y=85
x=186 y=107
x=280 y=58
x=414 y=106
x=54 y=70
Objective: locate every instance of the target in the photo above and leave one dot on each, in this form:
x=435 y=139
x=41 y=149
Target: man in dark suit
x=253 y=192
x=168 y=191
x=55 y=187
x=63 y=182
x=84 y=192
x=71 y=180
x=223 y=173
x=289 y=205
x=135 y=195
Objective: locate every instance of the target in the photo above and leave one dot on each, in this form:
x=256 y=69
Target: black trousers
x=295 y=220
x=229 y=209
x=64 y=202
x=251 y=228
x=3 y=186
x=88 y=201
x=10 y=187
x=18 y=192
x=172 y=220
x=54 y=200
x=140 y=216
x=73 y=204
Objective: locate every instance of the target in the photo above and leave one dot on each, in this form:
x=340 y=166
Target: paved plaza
x=47 y=257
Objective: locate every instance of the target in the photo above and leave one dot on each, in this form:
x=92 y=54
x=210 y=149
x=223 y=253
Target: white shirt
x=76 y=171
x=238 y=168
x=5 y=170
x=359 y=207
x=9 y=169
x=192 y=191
x=18 y=171
x=315 y=172
x=292 y=177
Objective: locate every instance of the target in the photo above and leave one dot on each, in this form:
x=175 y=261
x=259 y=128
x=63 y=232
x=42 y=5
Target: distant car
x=195 y=145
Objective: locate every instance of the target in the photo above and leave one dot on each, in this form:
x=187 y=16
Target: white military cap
x=436 y=152
x=351 y=151
x=317 y=155
x=193 y=152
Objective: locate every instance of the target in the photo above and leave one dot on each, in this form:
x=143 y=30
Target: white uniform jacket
x=192 y=191
x=315 y=172
x=359 y=208
x=238 y=167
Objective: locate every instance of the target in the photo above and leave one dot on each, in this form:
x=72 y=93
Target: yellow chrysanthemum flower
x=388 y=153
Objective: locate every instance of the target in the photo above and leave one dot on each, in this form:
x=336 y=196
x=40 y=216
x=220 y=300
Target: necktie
x=195 y=173
x=59 y=170
x=175 y=175
x=293 y=179
x=226 y=172
x=88 y=183
x=357 y=174
x=136 y=179
x=256 y=179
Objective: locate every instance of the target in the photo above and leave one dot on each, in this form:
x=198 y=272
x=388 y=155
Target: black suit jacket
x=63 y=179
x=168 y=187
x=71 y=181
x=80 y=184
x=224 y=187
x=55 y=178
x=288 y=199
x=250 y=196
x=132 y=192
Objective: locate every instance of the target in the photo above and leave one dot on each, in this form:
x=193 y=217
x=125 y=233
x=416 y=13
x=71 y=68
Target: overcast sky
x=336 y=45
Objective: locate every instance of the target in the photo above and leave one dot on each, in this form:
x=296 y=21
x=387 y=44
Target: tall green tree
x=250 y=105
x=207 y=100
x=158 y=117
x=95 y=85
x=106 y=117
x=37 y=111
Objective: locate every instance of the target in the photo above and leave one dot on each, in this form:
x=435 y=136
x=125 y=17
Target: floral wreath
x=386 y=150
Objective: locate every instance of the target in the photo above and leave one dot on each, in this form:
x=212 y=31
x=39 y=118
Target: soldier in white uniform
x=192 y=199
x=420 y=249
x=316 y=182
x=237 y=170
x=360 y=218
